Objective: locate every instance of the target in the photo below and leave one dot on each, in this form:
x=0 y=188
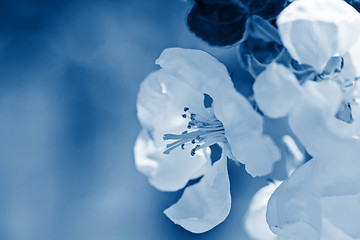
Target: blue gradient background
x=69 y=75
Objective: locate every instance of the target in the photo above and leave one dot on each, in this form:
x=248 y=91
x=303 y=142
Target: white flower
x=319 y=33
x=315 y=30
x=177 y=130
x=321 y=199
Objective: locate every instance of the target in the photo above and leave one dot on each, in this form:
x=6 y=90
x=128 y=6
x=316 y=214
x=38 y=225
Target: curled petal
x=294 y=209
x=315 y=30
x=205 y=204
x=255 y=219
x=168 y=172
x=276 y=90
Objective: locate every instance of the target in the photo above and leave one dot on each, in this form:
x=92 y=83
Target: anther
x=206 y=130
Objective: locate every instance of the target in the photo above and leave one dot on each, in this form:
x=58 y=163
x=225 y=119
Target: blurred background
x=69 y=76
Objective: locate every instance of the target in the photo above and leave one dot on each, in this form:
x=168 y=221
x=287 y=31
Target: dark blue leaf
x=222 y=22
x=268 y=9
x=354 y=3
x=262 y=45
x=218 y=24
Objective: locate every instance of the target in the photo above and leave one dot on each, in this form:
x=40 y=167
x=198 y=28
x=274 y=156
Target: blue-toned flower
x=315 y=30
x=320 y=200
x=318 y=33
x=178 y=128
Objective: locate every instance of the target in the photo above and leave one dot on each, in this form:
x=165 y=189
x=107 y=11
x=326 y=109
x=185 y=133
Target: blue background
x=69 y=76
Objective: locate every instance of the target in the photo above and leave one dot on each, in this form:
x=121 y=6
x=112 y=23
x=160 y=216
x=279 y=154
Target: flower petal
x=338 y=208
x=276 y=90
x=255 y=218
x=352 y=62
x=293 y=209
x=205 y=204
x=168 y=172
x=258 y=153
x=329 y=231
x=313 y=119
x=197 y=68
x=315 y=30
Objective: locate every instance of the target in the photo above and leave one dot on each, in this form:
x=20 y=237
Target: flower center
x=203 y=131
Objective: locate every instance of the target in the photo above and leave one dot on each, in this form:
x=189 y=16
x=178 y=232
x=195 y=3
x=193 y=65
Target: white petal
x=197 y=68
x=343 y=212
x=205 y=204
x=319 y=105
x=276 y=90
x=168 y=172
x=255 y=218
x=352 y=62
x=258 y=153
x=294 y=210
x=315 y=30
x=329 y=231
x=244 y=131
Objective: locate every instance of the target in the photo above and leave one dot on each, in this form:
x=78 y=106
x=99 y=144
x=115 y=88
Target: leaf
x=218 y=24
x=267 y=9
x=354 y=3
x=222 y=22
x=260 y=45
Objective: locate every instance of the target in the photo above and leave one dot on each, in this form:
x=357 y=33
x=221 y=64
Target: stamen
x=206 y=131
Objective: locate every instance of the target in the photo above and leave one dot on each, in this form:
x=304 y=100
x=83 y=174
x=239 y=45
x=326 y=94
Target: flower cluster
x=320 y=200
x=190 y=104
